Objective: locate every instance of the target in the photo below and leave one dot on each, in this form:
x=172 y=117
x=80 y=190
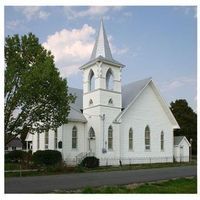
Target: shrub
x=90 y=162
x=15 y=156
x=47 y=157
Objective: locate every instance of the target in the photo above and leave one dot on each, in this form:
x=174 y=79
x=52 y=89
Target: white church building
x=129 y=123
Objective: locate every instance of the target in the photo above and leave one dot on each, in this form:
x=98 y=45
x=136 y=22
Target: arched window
x=110 y=102
x=74 y=137
x=91 y=81
x=109 y=80
x=162 y=140
x=130 y=139
x=91 y=133
x=60 y=144
x=46 y=140
x=147 y=138
x=90 y=102
x=110 y=137
x=56 y=139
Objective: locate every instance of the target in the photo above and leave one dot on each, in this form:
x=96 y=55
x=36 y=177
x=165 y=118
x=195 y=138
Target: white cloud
x=33 y=12
x=92 y=11
x=179 y=82
x=71 y=48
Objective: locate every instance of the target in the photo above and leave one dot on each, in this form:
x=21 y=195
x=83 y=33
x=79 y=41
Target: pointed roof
x=101 y=51
x=178 y=140
x=101 y=47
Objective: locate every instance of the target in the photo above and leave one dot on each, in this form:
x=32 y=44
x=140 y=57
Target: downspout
x=103 y=149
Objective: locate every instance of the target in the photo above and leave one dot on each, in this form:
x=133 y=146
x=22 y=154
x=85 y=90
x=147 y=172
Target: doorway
x=92 y=141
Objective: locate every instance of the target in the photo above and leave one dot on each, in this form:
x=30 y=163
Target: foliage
x=187 y=120
x=47 y=157
x=36 y=97
x=15 y=156
x=90 y=162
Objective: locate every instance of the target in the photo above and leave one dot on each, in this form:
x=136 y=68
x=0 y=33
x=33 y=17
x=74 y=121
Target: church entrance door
x=92 y=141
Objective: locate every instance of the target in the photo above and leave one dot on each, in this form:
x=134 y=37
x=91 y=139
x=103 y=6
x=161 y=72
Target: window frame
x=91 y=81
x=56 y=139
x=147 y=138
x=109 y=79
x=46 y=140
x=130 y=139
x=110 y=138
x=74 y=137
x=162 y=140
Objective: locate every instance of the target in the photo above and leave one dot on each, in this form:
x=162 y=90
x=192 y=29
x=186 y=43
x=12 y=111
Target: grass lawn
x=66 y=169
x=175 y=186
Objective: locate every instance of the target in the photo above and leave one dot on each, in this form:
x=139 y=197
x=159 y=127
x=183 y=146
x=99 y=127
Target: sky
x=151 y=41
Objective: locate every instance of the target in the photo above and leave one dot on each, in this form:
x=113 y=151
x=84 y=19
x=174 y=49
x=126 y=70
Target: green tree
x=187 y=120
x=36 y=97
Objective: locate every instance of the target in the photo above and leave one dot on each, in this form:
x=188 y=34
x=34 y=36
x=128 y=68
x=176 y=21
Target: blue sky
x=158 y=42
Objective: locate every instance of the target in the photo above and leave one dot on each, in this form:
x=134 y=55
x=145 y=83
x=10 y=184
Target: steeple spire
x=101 y=47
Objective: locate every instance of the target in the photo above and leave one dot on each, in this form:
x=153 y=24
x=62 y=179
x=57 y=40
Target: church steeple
x=101 y=47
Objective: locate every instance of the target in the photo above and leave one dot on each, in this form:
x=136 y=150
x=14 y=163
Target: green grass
x=67 y=169
x=177 y=186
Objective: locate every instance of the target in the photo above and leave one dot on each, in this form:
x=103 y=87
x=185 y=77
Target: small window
x=110 y=138
x=91 y=133
x=130 y=139
x=110 y=102
x=60 y=144
x=147 y=138
x=162 y=141
x=90 y=102
x=74 y=137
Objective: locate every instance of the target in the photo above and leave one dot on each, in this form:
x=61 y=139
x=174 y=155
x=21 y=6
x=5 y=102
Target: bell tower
x=102 y=100
x=102 y=75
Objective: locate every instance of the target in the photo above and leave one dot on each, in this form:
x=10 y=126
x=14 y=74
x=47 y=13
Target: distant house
x=15 y=144
x=181 y=149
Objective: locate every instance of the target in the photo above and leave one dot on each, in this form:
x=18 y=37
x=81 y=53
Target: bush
x=47 y=157
x=15 y=156
x=90 y=162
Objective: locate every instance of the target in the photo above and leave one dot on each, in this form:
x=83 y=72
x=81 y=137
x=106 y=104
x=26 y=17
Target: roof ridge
x=149 y=78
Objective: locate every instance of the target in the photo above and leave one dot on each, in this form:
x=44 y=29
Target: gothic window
x=130 y=139
x=91 y=81
x=90 y=102
x=162 y=141
x=91 y=133
x=60 y=144
x=74 y=137
x=110 y=102
x=110 y=138
x=46 y=140
x=109 y=80
x=147 y=138
x=56 y=139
